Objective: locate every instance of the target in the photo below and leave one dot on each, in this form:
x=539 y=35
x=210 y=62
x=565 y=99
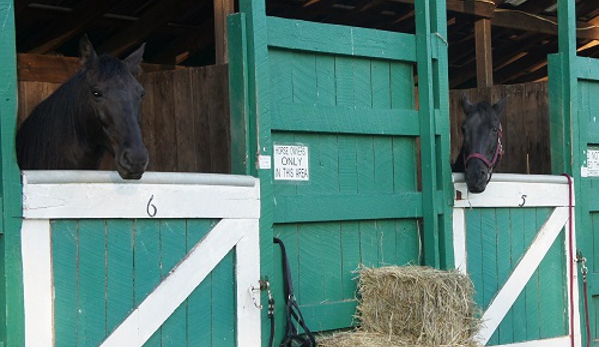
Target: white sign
x=593 y=162
x=291 y=163
x=264 y=162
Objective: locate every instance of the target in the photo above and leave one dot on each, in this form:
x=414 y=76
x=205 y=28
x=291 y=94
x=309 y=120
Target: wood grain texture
x=185 y=117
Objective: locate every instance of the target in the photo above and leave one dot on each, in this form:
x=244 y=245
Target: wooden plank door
x=327 y=117
x=514 y=243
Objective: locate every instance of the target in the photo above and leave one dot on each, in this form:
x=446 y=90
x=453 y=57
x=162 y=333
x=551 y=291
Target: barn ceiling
x=182 y=32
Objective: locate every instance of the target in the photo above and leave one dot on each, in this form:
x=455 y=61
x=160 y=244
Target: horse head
x=114 y=95
x=481 y=148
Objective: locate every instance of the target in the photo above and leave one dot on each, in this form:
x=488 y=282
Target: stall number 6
x=151 y=209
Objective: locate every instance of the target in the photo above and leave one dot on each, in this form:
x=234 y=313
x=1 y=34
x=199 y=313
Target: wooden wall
x=185 y=117
x=525 y=123
x=185 y=114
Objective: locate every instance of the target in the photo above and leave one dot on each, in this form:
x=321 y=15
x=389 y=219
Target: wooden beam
x=482 y=9
x=539 y=24
x=57 y=69
x=82 y=17
x=222 y=8
x=151 y=21
x=185 y=46
x=484 y=53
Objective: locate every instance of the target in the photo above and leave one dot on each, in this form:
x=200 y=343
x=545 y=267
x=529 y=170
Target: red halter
x=496 y=158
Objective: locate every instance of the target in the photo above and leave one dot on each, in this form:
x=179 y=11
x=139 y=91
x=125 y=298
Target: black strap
x=292 y=337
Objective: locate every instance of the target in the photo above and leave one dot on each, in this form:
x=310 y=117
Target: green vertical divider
x=568 y=132
x=12 y=319
x=434 y=132
x=256 y=113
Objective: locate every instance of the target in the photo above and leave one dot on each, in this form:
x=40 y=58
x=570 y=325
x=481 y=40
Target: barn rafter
x=509 y=33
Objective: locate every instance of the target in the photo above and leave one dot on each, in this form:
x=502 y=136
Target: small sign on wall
x=291 y=162
x=592 y=162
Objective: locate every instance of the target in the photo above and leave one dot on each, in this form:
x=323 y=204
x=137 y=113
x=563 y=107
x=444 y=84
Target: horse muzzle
x=132 y=163
x=477 y=176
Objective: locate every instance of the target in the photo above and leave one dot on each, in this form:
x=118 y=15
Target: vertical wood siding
x=497 y=239
x=104 y=268
x=185 y=118
x=344 y=165
x=525 y=122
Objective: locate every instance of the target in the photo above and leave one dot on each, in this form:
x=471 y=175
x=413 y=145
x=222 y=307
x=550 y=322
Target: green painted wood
x=489 y=257
x=340 y=40
x=349 y=120
x=518 y=248
x=350 y=257
x=427 y=134
x=349 y=95
x=407 y=242
x=91 y=282
x=388 y=236
x=199 y=306
x=173 y=249
x=11 y=292
x=329 y=316
x=119 y=272
x=475 y=253
x=223 y=303
x=260 y=137
x=553 y=319
x=241 y=126
x=569 y=126
x=320 y=272
x=64 y=263
x=325 y=80
x=504 y=268
x=304 y=79
x=147 y=265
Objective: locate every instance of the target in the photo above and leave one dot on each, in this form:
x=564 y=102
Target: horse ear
x=467 y=105
x=134 y=59
x=86 y=51
x=499 y=106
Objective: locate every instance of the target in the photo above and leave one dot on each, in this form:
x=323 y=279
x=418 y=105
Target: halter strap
x=496 y=158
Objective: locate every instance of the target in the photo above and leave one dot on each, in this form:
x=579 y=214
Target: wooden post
x=12 y=326
x=484 y=54
x=222 y=8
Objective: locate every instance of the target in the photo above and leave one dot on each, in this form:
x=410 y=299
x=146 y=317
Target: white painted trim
x=178 y=178
x=562 y=341
x=517 y=178
x=139 y=326
x=508 y=294
x=459 y=240
x=247 y=268
x=123 y=200
x=508 y=194
x=36 y=248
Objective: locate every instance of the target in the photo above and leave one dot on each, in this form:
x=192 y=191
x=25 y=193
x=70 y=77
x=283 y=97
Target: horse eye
x=96 y=93
x=142 y=94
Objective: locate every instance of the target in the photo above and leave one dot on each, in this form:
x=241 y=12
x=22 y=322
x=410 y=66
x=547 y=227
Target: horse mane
x=64 y=112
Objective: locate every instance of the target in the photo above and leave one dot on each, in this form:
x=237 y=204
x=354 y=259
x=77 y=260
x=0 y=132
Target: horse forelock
x=106 y=67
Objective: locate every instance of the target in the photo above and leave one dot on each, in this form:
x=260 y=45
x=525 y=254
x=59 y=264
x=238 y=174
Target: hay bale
x=360 y=338
x=418 y=306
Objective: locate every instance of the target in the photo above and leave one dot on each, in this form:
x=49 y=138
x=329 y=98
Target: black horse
x=481 y=149
x=96 y=110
